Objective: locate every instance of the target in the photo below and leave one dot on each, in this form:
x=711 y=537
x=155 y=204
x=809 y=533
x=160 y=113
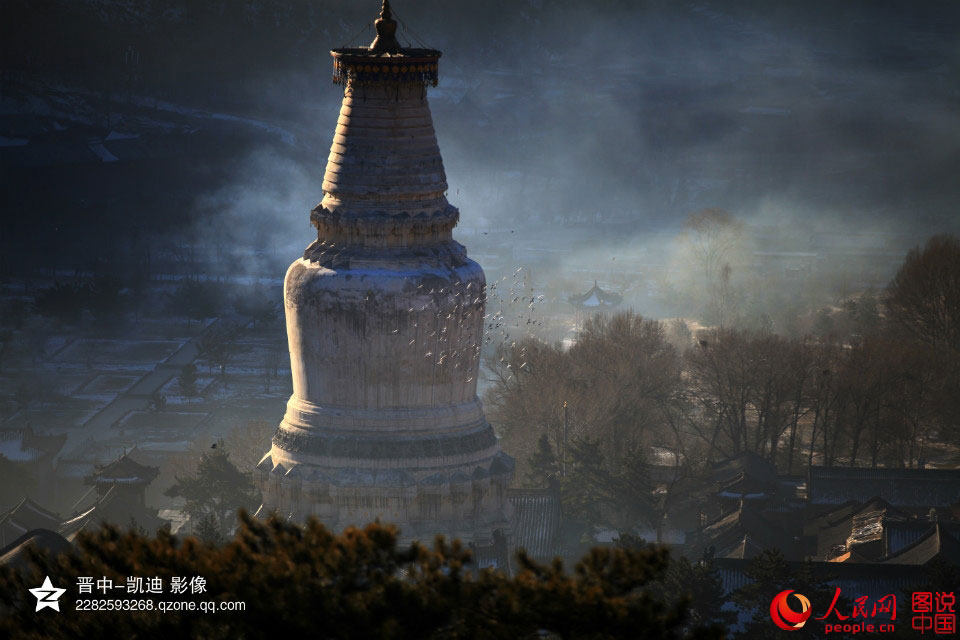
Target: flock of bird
x=449 y=338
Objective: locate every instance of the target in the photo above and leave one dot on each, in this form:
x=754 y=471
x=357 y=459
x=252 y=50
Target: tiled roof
x=24 y=517
x=746 y=464
x=743 y=485
x=15 y=553
x=745 y=548
x=937 y=543
x=901 y=534
x=113 y=508
x=741 y=533
x=901 y=487
x=536 y=524
x=872 y=580
x=23 y=445
x=124 y=470
x=851 y=523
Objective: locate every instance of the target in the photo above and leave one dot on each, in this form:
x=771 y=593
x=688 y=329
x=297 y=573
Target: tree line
x=630 y=386
x=304 y=580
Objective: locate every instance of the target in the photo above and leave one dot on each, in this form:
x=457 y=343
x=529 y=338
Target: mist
x=596 y=129
x=719 y=241
x=576 y=138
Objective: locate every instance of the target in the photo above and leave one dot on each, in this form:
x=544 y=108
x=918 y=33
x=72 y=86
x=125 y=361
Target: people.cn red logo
x=785 y=617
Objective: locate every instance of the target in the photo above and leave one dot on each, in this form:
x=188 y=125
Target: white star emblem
x=47 y=595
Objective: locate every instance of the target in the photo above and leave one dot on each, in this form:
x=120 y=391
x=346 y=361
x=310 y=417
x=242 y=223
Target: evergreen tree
x=63 y=302
x=543 y=464
x=158 y=402
x=307 y=582
x=188 y=380
x=215 y=491
x=105 y=301
x=593 y=484
x=770 y=574
x=700 y=583
x=208 y=530
x=583 y=491
x=631 y=489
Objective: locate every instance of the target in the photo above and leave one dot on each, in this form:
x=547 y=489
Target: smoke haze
x=574 y=135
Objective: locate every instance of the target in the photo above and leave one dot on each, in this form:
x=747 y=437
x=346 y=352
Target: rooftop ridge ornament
x=385 y=61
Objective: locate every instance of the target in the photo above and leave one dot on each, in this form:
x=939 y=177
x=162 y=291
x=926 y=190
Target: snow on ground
x=107 y=383
x=166 y=420
x=175 y=395
x=125 y=352
x=99 y=399
x=58 y=418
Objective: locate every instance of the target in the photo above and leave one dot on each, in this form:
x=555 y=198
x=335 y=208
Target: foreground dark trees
x=307 y=582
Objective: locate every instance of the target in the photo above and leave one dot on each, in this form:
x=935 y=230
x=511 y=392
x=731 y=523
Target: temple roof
x=23 y=445
x=938 y=543
x=743 y=486
x=24 y=517
x=596 y=298
x=902 y=533
x=15 y=554
x=747 y=463
x=850 y=525
x=743 y=531
x=536 y=522
x=901 y=487
x=124 y=470
x=113 y=508
x=746 y=548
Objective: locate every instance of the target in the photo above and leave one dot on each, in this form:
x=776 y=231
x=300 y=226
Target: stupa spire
x=386 y=40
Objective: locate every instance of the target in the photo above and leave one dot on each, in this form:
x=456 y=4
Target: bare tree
x=249 y=442
x=802 y=365
x=613 y=380
x=712 y=235
x=924 y=296
x=215 y=348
